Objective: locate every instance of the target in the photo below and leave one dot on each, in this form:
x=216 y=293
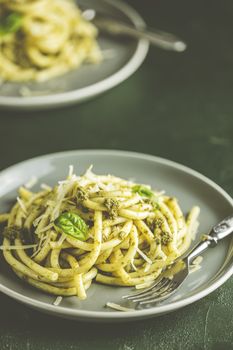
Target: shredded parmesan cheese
x=133 y=266
x=194 y=268
x=147 y=267
x=57 y=301
x=118 y=307
x=194 y=230
x=44 y=239
x=144 y=256
x=144 y=285
x=45 y=187
x=31 y=182
x=71 y=170
x=22 y=205
x=198 y=260
x=46 y=228
x=37 y=220
x=196 y=264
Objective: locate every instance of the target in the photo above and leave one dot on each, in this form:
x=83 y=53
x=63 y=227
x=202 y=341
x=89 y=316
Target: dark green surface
x=177 y=106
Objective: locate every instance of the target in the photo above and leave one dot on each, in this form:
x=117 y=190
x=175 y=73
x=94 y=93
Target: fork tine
x=157 y=288
x=133 y=295
x=156 y=292
x=164 y=295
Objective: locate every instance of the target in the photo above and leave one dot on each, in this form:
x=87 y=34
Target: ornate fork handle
x=165 y=287
x=218 y=232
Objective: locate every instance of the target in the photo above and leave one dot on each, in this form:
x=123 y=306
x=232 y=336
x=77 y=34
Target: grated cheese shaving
x=160 y=193
x=45 y=187
x=57 y=301
x=144 y=285
x=62 y=190
x=37 y=220
x=46 y=228
x=118 y=307
x=194 y=230
x=71 y=170
x=31 y=182
x=194 y=268
x=133 y=266
x=25 y=91
x=144 y=256
x=63 y=182
x=44 y=238
x=94 y=189
x=22 y=205
x=198 y=260
x=147 y=267
x=88 y=173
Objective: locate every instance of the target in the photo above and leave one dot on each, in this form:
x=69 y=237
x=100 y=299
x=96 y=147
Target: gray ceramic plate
x=187 y=185
x=124 y=58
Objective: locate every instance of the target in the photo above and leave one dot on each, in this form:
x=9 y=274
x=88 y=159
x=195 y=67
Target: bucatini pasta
x=94 y=228
x=40 y=39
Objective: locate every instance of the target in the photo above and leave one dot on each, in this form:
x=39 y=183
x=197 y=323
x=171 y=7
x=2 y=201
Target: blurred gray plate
x=187 y=185
x=123 y=57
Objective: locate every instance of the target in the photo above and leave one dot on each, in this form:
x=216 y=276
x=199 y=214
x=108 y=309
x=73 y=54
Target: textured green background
x=177 y=106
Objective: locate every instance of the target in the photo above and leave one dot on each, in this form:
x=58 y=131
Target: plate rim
x=78 y=95
x=117 y=315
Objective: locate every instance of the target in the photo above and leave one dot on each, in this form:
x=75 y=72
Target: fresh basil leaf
x=73 y=225
x=11 y=23
x=143 y=191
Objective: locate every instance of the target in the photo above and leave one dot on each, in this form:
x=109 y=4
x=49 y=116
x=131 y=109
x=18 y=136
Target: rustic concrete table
x=178 y=106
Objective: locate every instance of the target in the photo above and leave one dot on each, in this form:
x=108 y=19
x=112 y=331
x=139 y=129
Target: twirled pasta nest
x=94 y=227
x=41 y=39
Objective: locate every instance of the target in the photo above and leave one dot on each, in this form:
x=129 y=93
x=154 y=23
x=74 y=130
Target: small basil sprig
x=73 y=225
x=11 y=23
x=143 y=191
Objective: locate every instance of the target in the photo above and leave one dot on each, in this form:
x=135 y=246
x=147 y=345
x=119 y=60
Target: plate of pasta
x=51 y=54
x=80 y=229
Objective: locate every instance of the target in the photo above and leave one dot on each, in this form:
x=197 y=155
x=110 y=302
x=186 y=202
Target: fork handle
x=158 y=38
x=112 y=25
x=218 y=232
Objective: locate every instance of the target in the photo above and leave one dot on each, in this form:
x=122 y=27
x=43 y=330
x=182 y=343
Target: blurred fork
x=165 y=287
x=114 y=26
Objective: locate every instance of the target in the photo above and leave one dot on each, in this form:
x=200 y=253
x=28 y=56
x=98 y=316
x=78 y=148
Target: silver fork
x=165 y=287
x=114 y=26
